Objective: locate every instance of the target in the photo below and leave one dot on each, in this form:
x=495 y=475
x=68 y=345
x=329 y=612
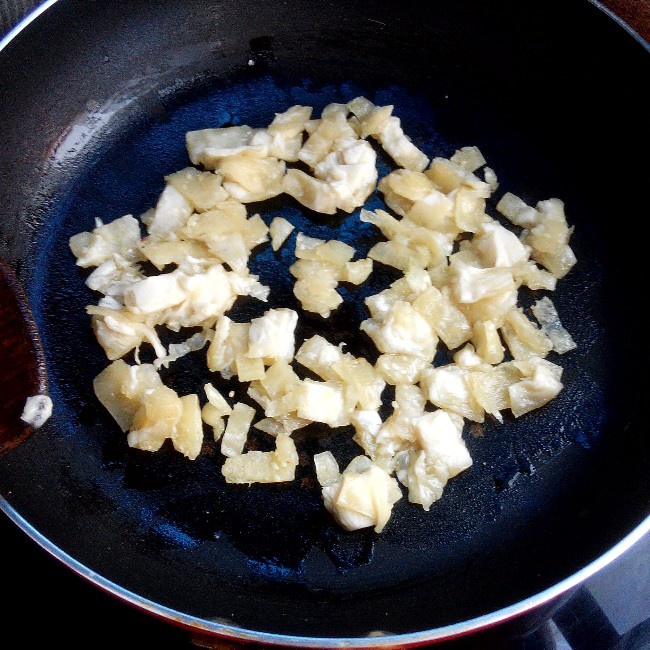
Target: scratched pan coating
x=92 y=125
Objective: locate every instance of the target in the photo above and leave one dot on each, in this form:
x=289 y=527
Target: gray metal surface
x=12 y=11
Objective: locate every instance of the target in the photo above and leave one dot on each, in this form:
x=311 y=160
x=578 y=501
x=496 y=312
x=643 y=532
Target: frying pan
x=95 y=100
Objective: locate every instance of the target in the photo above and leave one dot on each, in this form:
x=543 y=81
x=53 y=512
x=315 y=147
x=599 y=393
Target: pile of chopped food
x=461 y=273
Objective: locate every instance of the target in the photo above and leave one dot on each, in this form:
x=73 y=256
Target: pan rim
x=198 y=625
x=410 y=639
x=26 y=20
x=36 y=12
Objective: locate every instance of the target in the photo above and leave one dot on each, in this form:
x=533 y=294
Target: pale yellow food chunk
x=448 y=176
x=161 y=252
x=279 y=379
x=121 y=237
x=189 y=430
x=113 y=277
x=263 y=467
x=468 y=158
x=547 y=231
x=315 y=287
x=208 y=146
x=436 y=212
x=121 y=388
x=516 y=210
x=440 y=455
x=327 y=469
x=370 y=436
x=550 y=232
x=319 y=267
x=230 y=339
x=309 y=191
x=403 y=331
x=321 y=140
x=350 y=172
x=471 y=284
x=424 y=486
x=320 y=356
x=280 y=229
x=202 y=189
x=236 y=433
x=214 y=410
x=372 y=119
x=217 y=401
x=292 y=122
x=399 y=255
x=439 y=274
x=231 y=250
x=399 y=146
x=447 y=387
x=321 y=402
x=363 y=495
x=523 y=337
x=466 y=357
x=492 y=308
x=179 y=299
x=402 y=188
x=248 y=369
x=255 y=232
x=286 y=132
x=362 y=384
x=490 y=177
x=534 y=277
x=156 y=420
x=283 y=424
x=171 y=213
x=489 y=386
x=249 y=179
x=387 y=223
x=409 y=245
x=211 y=415
x=446 y=320
x=155 y=293
x=498 y=246
x=400 y=368
x=486 y=340
x=558 y=263
x=540 y=385
x=469 y=209
x=357 y=272
x=271 y=337
x=226 y=218
x=118 y=331
x=334 y=252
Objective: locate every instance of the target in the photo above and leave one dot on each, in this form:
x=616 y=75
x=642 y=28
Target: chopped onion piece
x=37 y=410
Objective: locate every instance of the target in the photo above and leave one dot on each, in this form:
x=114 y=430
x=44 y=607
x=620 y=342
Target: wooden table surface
x=636 y=13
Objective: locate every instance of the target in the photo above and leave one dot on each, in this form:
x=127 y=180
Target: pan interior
x=546 y=494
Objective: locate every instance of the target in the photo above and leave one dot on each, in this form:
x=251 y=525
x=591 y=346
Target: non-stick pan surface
x=96 y=98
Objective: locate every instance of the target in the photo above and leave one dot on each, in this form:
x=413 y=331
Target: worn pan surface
x=95 y=99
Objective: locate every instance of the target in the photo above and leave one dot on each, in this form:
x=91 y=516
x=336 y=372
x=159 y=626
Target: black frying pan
x=95 y=99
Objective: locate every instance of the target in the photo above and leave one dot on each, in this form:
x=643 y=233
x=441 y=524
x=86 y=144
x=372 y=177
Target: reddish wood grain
x=636 y=13
x=22 y=362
